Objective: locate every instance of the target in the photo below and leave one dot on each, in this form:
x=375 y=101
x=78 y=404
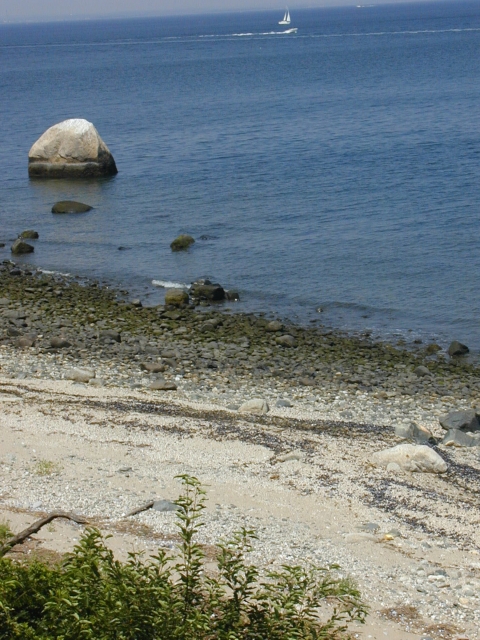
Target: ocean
x=330 y=175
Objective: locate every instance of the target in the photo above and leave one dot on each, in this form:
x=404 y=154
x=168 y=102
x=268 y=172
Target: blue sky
x=61 y=9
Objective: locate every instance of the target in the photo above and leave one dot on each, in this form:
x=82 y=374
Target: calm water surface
x=337 y=167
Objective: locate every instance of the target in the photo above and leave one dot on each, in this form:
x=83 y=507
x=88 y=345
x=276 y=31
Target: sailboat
x=286 y=17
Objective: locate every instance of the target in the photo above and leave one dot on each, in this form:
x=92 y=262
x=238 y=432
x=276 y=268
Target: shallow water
x=337 y=167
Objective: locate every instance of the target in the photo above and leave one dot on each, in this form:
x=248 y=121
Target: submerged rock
x=209 y=292
x=29 y=234
x=20 y=247
x=182 y=243
x=70 y=206
x=70 y=149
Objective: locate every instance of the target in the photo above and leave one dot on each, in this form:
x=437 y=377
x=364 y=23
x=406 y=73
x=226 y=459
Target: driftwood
x=36 y=526
x=145 y=507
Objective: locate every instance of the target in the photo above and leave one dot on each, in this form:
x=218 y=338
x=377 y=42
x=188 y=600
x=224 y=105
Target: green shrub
x=92 y=595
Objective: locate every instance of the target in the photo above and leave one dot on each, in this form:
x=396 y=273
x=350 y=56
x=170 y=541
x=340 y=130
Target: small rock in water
x=411 y=457
x=182 y=243
x=70 y=206
x=20 y=247
x=256 y=405
x=458 y=349
x=29 y=234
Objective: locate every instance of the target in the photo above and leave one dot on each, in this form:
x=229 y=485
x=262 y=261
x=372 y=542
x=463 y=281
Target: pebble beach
x=104 y=401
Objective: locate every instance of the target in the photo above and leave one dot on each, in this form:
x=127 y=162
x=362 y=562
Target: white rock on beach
x=80 y=375
x=257 y=405
x=411 y=457
x=72 y=148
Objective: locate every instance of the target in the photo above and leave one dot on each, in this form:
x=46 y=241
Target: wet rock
x=20 y=247
x=70 y=206
x=70 y=149
x=163 y=385
x=413 y=431
x=456 y=438
x=60 y=343
x=209 y=292
x=461 y=420
x=256 y=405
x=182 y=243
x=458 y=349
x=432 y=348
x=136 y=303
x=231 y=295
x=286 y=341
x=29 y=234
x=274 y=326
x=80 y=375
x=411 y=457
x=176 y=297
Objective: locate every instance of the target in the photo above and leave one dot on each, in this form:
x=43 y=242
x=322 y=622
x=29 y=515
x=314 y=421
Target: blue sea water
x=338 y=167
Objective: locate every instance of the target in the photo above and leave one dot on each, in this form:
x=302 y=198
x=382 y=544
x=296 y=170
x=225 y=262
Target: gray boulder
x=456 y=438
x=422 y=371
x=70 y=206
x=20 y=247
x=413 y=431
x=70 y=149
x=458 y=349
x=461 y=420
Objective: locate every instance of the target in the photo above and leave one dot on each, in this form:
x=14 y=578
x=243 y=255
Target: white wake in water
x=166 y=284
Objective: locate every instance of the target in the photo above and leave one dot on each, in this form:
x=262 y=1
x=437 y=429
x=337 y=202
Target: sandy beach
x=300 y=474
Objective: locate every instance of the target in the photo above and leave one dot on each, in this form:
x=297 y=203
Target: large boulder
x=458 y=349
x=465 y=420
x=19 y=247
x=411 y=457
x=70 y=149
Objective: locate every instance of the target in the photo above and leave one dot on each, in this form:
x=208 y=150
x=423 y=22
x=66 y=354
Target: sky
x=34 y=10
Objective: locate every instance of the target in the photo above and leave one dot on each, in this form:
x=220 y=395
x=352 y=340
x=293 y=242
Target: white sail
x=286 y=17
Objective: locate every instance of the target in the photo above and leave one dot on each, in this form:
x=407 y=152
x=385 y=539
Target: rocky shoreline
x=51 y=324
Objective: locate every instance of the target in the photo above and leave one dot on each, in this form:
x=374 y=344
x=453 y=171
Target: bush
x=92 y=595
